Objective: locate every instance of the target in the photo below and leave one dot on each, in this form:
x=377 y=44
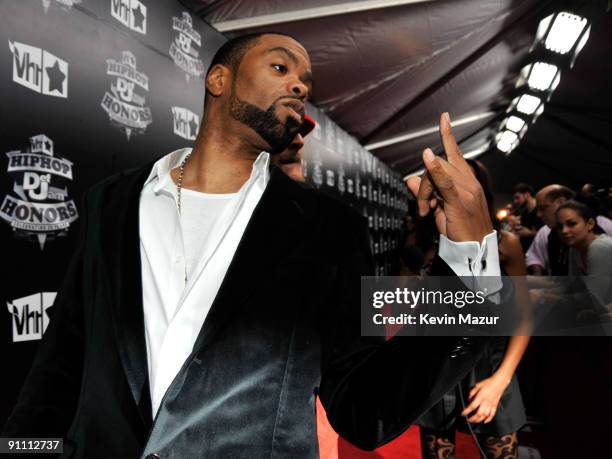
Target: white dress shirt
x=174 y=310
x=182 y=274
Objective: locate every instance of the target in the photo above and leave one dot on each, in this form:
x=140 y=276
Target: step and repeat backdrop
x=335 y=163
x=91 y=87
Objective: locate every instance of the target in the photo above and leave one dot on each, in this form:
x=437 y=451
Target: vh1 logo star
x=39 y=70
x=130 y=13
x=185 y=123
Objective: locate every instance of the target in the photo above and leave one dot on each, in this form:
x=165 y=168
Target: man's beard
x=265 y=123
x=522 y=207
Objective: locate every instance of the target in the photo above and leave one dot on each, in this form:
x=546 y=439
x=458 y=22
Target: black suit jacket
x=284 y=327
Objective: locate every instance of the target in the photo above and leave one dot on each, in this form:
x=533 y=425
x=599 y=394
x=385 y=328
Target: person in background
x=587 y=196
x=524 y=204
x=412 y=261
x=606 y=201
x=290 y=160
x=512 y=221
x=587 y=190
x=491 y=382
x=590 y=252
x=427 y=239
x=547 y=254
x=598 y=200
x=511 y=255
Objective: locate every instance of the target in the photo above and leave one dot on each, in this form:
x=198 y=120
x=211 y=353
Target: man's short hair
x=523 y=188
x=559 y=192
x=232 y=51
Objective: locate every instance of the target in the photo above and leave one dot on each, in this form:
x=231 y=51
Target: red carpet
x=406 y=446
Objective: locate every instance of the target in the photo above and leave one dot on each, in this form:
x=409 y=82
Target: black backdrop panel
x=92 y=87
x=337 y=164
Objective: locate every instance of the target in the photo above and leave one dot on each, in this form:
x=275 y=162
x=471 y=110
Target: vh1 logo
x=130 y=13
x=39 y=70
x=30 y=319
x=186 y=123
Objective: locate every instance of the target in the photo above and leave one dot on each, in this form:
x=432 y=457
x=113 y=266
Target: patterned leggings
x=441 y=445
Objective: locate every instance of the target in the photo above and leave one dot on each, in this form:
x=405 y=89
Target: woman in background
x=490 y=391
x=590 y=251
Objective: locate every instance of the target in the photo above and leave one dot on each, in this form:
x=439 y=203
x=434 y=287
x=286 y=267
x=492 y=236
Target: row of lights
x=559 y=39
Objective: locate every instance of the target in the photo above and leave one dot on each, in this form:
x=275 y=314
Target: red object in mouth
x=308 y=124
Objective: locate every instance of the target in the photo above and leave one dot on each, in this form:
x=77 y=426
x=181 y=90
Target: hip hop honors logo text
x=63 y=4
x=39 y=206
x=182 y=51
x=126 y=108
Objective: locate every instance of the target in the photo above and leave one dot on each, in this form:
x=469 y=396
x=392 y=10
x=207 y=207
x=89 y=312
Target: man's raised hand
x=450 y=189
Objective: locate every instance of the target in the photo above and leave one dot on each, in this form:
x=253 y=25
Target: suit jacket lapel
x=121 y=255
x=277 y=222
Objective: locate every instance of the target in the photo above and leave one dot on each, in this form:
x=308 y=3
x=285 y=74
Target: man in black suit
x=154 y=352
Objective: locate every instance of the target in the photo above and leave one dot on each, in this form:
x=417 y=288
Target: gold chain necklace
x=178 y=193
x=180 y=182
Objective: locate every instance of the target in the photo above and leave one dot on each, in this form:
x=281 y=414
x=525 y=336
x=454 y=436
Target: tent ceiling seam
x=309 y=13
x=427 y=131
x=456 y=70
x=397 y=74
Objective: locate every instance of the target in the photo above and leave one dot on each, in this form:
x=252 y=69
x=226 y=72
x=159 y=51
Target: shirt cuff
x=470 y=259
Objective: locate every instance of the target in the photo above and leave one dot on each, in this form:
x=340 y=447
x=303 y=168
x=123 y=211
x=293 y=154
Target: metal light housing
x=563 y=34
x=507 y=141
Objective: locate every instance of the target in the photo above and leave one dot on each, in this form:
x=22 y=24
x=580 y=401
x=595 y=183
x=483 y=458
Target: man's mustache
x=297 y=105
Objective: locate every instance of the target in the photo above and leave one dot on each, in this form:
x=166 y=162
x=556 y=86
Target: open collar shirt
x=175 y=307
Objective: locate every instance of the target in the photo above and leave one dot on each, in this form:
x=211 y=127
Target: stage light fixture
x=559 y=39
x=507 y=141
x=515 y=124
x=561 y=36
x=540 y=76
x=527 y=104
x=560 y=32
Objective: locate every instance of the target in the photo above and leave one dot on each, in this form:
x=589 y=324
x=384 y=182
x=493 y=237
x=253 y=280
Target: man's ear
x=218 y=80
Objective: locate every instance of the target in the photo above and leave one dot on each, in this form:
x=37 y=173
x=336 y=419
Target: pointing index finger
x=453 y=152
x=440 y=173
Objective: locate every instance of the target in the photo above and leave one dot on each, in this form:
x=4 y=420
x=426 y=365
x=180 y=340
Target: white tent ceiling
x=385 y=69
